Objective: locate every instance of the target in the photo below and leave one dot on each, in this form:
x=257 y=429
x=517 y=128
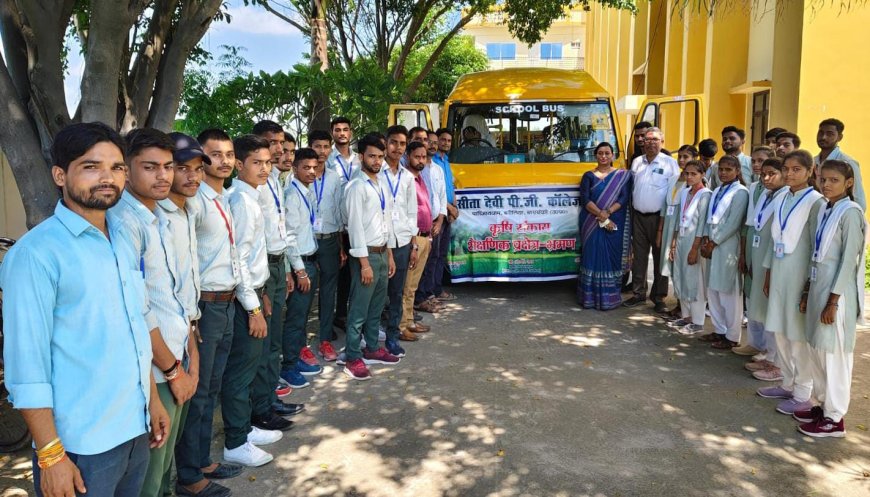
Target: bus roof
x=526 y=83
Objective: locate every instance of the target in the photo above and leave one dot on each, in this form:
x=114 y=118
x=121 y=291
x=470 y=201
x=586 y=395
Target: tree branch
x=440 y=48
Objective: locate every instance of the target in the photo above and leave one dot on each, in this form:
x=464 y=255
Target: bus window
x=530 y=131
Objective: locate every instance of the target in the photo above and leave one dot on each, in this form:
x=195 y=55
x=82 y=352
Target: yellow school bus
x=522 y=139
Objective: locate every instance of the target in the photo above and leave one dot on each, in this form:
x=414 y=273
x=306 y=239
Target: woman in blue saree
x=604 y=232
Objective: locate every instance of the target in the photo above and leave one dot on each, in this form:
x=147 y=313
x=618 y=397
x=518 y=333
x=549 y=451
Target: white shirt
x=652 y=181
x=369 y=209
x=249 y=228
x=182 y=227
x=272 y=203
x=153 y=242
x=328 y=199
x=433 y=175
x=343 y=166
x=301 y=216
x=213 y=248
x=404 y=198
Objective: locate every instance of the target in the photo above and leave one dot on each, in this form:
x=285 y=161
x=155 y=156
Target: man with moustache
x=266 y=406
x=371 y=265
x=219 y=272
x=286 y=167
x=433 y=176
x=74 y=315
x=341 y=158
x=416 y=163
x=733 y=139
x=828 y=139
x=150 y=172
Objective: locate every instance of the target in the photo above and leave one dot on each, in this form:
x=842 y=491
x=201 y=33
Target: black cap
x=186 y=148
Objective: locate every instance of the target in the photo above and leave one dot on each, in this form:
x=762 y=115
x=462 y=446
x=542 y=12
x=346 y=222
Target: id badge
x=813 y=273
x=683 y=230
x=385 y=227
x=756 y=241
x=234 y=256
x=282 y=228
x=395 y=216
x=779 y=250
x=318 y=225
x=671 y=210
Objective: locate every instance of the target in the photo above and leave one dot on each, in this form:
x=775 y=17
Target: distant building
x=562 y=46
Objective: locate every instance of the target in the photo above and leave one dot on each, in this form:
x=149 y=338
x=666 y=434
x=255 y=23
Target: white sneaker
x=761 y=356
x=247 y=454
x=362 y=343
x=263 y=437
x=691 y=329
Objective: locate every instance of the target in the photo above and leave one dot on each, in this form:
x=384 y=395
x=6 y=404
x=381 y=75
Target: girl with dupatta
x=604 y=232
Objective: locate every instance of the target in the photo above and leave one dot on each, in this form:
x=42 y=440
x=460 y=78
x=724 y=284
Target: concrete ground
x=517 y=392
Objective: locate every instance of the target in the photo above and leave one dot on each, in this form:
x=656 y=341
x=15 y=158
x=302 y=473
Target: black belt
x=424 y=233
x=656 y=213
x=274 y=258
x=309 y=258
x=325 y=236
x=377 y=250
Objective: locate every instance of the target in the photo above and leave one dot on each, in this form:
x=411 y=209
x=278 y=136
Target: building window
x=501 y=51
x=551 y=51
x=576 y=45
x=760 y=115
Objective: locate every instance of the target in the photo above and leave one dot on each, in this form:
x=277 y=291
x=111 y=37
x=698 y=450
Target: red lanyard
x=226 y=221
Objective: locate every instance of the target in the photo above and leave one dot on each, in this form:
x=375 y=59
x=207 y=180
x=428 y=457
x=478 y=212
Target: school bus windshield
x=529 y=131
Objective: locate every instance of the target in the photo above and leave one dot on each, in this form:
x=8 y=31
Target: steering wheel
x=478 y=141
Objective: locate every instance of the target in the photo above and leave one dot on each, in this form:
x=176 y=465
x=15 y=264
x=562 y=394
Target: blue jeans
x=118 y=472
x=192 y=451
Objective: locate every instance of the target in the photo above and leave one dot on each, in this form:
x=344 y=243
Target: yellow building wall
x=787 y=60
x=834 y=72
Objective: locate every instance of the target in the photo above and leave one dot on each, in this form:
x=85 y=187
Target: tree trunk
x=320 y=104
x=194 y=21
x=110 y=23
x=22 y=147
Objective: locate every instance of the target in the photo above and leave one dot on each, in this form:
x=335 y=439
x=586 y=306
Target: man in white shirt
x=219 y=273
x=302 y=255
x=371 y=264
x=264 y=397
x=433 y=176
x=653 y=174
x=341 y=158
x=403 y=195
x=241 y=439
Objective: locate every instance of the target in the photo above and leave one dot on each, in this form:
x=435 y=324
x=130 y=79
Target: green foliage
x=460 y=57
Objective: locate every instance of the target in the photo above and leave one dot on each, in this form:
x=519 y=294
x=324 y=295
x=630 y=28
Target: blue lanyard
x=380 y=194
x=821 y=231
x=319 y=193
x=307 y=205
x=782 y=223
x=767 y=201
x=344 y=171
x=394 y=191
x=142 y=265
x=275 y=196
x=720 y=196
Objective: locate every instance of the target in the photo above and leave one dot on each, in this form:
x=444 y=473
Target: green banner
x=515 y=234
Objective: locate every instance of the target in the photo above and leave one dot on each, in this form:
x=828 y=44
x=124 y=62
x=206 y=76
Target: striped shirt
x=213 y=247
x=152 y=241
x=182 y=226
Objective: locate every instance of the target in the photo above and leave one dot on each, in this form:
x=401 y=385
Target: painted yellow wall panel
x=787 y=62
x=727 y=69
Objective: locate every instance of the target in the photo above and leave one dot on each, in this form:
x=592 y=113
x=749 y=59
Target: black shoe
x=225 y=471
x=634 y=301
x=627 y=288
x=660 y=308
x=271 y=421
x=417 y=317
x=287 y=409
x=210 y=490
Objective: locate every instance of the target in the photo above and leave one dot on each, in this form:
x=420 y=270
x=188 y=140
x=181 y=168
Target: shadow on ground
x=516 y=392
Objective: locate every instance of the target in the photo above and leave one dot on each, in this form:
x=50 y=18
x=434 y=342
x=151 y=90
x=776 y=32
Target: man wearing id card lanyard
x=343 y=161
x=301 y=204
x=219 y=274
x=371 y=265
x=267 y=408
x=828 y=139
x=403 y=240
x=654 y=174
x=328 y=224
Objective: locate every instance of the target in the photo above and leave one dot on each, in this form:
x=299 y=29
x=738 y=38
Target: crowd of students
x=155 y=294
x=774 y=242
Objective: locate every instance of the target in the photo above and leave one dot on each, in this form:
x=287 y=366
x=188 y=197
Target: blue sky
x=271 y=44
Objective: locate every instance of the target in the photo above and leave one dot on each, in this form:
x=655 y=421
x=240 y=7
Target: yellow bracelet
x=49 y=445
x=45 y=463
